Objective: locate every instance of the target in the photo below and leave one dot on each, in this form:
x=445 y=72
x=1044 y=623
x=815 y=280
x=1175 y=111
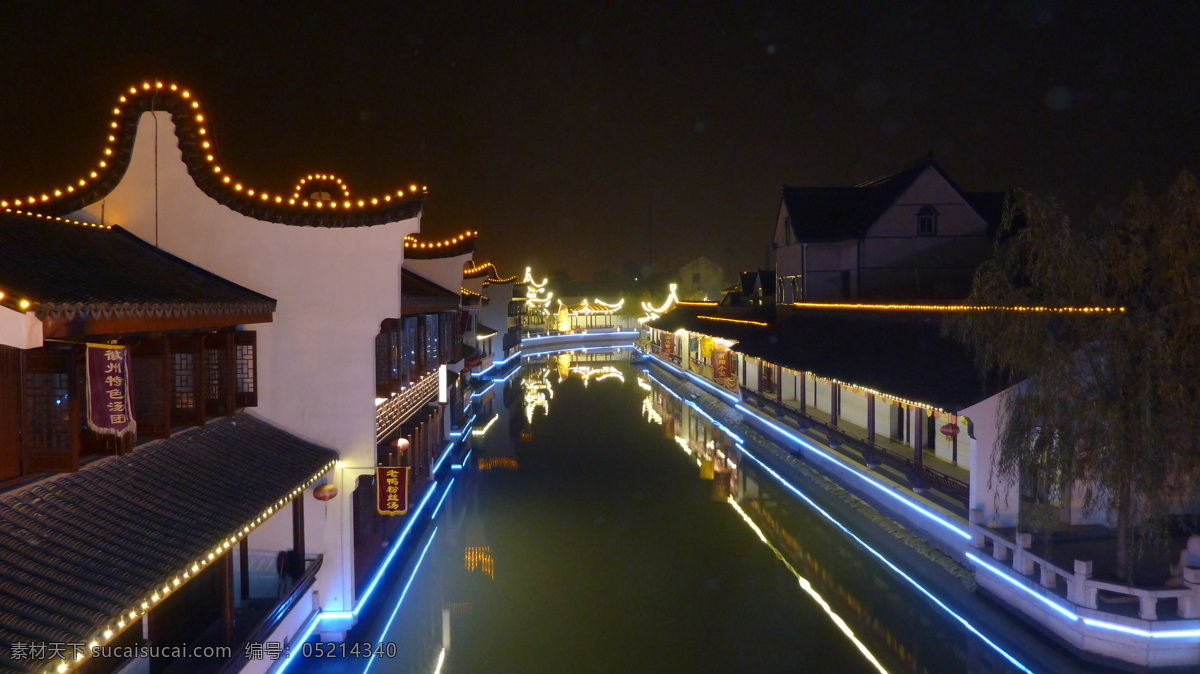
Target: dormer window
x=927 y=221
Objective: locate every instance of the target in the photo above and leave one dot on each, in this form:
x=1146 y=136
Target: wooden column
x=954 y=448
x=871 y=417
x=298 y=528
x=225 y=569
x=918 y=429
x=802 y=394
x=244 y=565
x=835 y=402
x=779 y=383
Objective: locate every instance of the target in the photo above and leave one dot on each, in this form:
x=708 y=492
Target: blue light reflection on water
x=573 y=509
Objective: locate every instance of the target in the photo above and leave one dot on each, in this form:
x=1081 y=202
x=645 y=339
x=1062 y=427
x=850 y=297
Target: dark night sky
x=557 y=128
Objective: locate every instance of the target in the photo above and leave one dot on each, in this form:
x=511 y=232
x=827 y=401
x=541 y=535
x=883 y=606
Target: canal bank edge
x=1136 y=649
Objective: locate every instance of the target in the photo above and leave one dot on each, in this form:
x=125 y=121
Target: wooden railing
x=1082 y=589
x=395 y=410
x=262 y=631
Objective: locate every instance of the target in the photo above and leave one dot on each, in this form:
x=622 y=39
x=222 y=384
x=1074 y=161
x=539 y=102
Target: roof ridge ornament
x=199 y=156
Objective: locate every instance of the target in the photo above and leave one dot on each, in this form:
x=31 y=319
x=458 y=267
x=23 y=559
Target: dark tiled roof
x=838 y=213
x=419 y=295
x=900 y=353
x=80 y=551
x=68 y=269
x=688 y=318
x=196 y=147
x=483 y=332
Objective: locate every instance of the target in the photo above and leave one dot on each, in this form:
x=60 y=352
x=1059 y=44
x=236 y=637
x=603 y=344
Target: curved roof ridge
x=199 y=156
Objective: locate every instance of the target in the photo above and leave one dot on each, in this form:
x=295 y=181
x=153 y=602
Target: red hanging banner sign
x=109 y=401
x=391 y=490
x=667 y=347
x=722 y=364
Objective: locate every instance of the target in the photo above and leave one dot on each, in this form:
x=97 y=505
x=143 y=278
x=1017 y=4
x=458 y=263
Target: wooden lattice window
x=214 y=378
x=218 y=374
x=47 y=410
x=246 y=367
x=183 y=372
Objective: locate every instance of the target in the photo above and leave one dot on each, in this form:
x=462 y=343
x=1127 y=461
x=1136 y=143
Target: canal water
x=606 y=520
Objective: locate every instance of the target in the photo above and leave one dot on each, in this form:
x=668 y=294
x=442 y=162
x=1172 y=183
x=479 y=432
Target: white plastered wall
x=22 y=330
x=998 y=499
x=316 y=359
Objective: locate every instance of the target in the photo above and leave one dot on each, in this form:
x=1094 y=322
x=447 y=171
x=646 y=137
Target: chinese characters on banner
x=723 y=370
x=722 y=364
x=391 y=490
x=668 y=345
x=109 y=404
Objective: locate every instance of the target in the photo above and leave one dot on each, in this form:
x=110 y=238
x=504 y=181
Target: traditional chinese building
x=252 y=322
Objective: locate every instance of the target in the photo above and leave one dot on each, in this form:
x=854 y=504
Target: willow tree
x=1108 y=409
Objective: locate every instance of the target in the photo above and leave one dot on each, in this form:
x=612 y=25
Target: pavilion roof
x=89 y=552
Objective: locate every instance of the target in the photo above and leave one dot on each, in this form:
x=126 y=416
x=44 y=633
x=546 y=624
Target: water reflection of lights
x=480 y=432
x=809 y=589
x=480 y=559
x=649 y=412
x=494 y=462
x=598 y=373
x=400 y=602
x=538 y=393
x=887 y=562
x=846 y=530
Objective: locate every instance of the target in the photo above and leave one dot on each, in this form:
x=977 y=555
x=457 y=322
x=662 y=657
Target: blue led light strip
x=813 y=448
x=576 y=335
x=508 y=376
x=294 y=653
x=446 y=452
x=497 y=363
x=996 y=647
x=871 y=481
x=1068 y=614
x=463 y=431
x=1072 y=616
x=459 y=466
x=1013 y=581
x=395 y=547
x=575 y=349
x=400 y=601
x=480 y=394
x=714 y=422
x=721 y=392
x=433 y=515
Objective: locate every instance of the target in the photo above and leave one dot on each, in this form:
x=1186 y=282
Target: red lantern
x=950 y=430
x=325 y=492
x=401 y=445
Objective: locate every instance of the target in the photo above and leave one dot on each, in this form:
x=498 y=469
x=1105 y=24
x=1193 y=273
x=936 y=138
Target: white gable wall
x=20 y=329
x=893 y=238
x=316 y=361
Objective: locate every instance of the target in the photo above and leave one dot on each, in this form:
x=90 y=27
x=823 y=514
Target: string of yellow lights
x=130 y=103
x=412 y=242
x=733 y=320
x=957 y=307
x=57 y=219
x=321 y=177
